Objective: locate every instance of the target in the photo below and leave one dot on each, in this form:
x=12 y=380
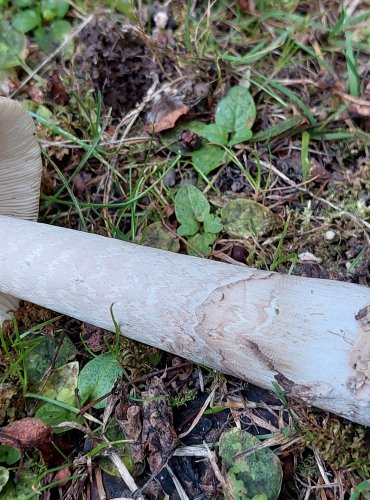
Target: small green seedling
x=234 y=118
x=197 y=223
x=43 y=20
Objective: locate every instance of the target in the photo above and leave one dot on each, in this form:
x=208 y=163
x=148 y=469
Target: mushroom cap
x=20 y=162
x=20 y=173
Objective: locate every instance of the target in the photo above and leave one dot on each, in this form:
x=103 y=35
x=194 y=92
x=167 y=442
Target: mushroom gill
x=20 y=173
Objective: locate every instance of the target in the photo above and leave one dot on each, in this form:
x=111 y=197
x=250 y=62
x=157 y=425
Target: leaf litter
x=272 y=173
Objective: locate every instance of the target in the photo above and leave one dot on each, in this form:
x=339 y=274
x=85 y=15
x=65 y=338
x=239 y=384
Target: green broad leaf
x=245 y=218
x=12 y=46
x=61 y=386
x=190 y=205
x=24 y=489
x=278 y=129
x=236 y=110
x=201 y=242
x=48 y=352
x=59 y=29
x=52 y=415
x=242 y=135
x=53 y=9
x=49 y=38
x=4 y=477
x=212 y=224
x=254 y=475
x=188 y=228
x=9 y=455
x=26 y=20
x=208 y=158
x=157 y=236
x=98 y=377
x=215 y=134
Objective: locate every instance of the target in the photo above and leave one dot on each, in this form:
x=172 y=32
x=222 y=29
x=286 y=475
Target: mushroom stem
x=309 y=335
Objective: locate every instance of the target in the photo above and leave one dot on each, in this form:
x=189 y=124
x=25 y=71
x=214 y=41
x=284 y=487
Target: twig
x=200 y=414
x=225 y=486
x=124 y=473
x=180 y=490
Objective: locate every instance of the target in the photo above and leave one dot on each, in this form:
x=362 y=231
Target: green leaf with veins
x=236 y=111
x=158 y=236
x=215 y=134
x=241 y=135
x=53 y=9
x=188 y=228
x=202 y=243
x=212 y=224
x=98 y=377
x=12 y=46
x=190 y=206
x=26 y=20
x=208 y=158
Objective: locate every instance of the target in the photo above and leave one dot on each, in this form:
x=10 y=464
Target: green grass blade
x=353 y=76
x=305 y=162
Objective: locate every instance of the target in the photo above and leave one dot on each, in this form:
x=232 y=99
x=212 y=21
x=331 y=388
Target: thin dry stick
x=225 y=485
x=199 y=416
x=68 y=39
x=351 y=6
x=99 y=484
x=124 y=473
x=180 y=490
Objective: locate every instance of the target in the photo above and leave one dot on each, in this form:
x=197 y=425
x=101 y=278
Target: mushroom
x=20 y=174
x=312 y=336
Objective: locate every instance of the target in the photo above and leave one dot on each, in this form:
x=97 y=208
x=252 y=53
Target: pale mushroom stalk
x=311 y=336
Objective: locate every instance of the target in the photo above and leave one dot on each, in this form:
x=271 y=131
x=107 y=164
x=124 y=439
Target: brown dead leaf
x=168 y=121
x=26 y=433
x=57 y=90
x=248 y=6
x=129 y=419
x=62 y=474
x=158 y=431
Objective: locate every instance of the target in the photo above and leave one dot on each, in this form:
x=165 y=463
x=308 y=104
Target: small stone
x=308 y=257
x=330 y=235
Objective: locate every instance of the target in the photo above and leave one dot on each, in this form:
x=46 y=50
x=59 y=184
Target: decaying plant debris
x=159 y=71
x=128 y=67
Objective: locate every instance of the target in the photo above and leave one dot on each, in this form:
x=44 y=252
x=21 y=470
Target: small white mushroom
x=20 y=173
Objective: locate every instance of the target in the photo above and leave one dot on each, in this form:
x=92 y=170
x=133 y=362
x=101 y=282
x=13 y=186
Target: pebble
x=330 y=235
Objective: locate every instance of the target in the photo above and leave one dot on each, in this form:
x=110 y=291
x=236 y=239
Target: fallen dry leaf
x=129 y=419
x=168 y=121
x=62 y=474
x=26 y=433
x=57 y=90
x=29 y=433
